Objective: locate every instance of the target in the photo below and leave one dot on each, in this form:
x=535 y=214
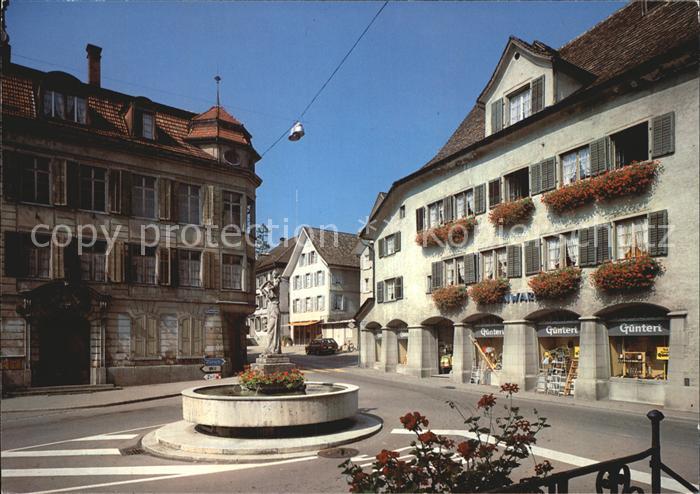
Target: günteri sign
x=639 y=327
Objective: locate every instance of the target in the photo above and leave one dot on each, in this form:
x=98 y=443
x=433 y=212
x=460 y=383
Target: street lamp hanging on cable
x=296 y=132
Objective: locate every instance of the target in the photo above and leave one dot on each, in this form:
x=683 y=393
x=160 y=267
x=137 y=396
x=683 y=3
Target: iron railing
x=612 y=475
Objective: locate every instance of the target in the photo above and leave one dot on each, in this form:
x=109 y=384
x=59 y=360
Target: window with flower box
x=575 y=165
x=631 y=144
x=464 y=204
x=454 y=271
x=631 y=238
x=494 y=264
x=517 y=184
x=436 y=214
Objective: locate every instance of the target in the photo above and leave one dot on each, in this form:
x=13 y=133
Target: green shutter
x=437 y=274
x=447 y=208
x=514 y=259
x=380 y=292
x=420 y=215
x=549 y=176
x=397 y=241
x=494 y=192
x=663 y=135
x=658 y=233
x=586 y=247
x=496 y=115
x=470 y=270
x=152 y=337
x=599 y=152
x=398 y=288
x=602 y=246
x=381 y=247
x=535 y=178
x=480 y=199
x=532 y=257
x=537 y=94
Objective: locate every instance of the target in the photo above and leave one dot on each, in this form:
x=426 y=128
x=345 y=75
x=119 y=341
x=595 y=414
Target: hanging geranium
x=569 y=197
x=453 y=232
x=637 y=273
x=449 y=297
x=512 y=213
x=556 y=284
x=635 y=178
x=489 y=291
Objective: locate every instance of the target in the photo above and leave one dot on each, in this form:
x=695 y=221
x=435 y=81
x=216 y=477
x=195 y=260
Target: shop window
x=65 y=107
x=231 y=272
x=35 y=179
x=575 y=165
x=639 y=357
x=231 y=205
x=631 y=145
x=189 y=264
x=631 y=238
x=93 y=188
x=517 y=184
x=188 y=204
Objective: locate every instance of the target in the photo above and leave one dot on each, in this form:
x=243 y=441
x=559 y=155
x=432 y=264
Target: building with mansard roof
x=529 y=249
x=142 y=261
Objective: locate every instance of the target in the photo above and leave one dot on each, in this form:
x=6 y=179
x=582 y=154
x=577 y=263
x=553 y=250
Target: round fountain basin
x=231 y=406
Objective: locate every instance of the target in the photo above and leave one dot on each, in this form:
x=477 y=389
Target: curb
x=100 y=405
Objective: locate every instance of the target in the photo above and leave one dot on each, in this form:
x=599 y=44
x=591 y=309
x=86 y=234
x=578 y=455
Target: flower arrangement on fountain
x=637 y=273
x=512 y=212
x=556 y=284
x=454 y=231
x=274 y=382
x=489 y=291
x=450 y=297
x=485 y=462
x=634 y=178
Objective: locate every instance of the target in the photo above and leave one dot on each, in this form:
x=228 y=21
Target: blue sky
x=397 y=99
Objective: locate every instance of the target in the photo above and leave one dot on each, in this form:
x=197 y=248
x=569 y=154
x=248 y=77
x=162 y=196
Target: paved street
x=90 y=449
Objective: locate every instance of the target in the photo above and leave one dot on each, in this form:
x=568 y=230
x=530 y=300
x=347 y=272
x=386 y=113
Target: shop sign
x=639 y=327
x=577 y=351
x=212 y=311
x=558 y=329
x=515 y=298
x=489 y=331
x=661 y=353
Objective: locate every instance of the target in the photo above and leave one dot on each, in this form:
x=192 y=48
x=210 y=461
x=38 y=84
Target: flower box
x=273 y=383
x=556 y=284
x=489 y=291
x=637 y=273
x=449 y=297
x=570 y=197
x=454 y=232
x=512 y=213
x=635 y=178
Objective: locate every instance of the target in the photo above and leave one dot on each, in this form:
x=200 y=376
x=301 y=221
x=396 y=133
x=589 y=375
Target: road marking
x=61 y=452
x=106 y=437
x=205 y=469
x=643 y=477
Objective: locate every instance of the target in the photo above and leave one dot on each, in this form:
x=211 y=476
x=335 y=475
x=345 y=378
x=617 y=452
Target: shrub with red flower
x=634 y=178
x=556 y=284
x=489 y=291
x=637 y=273
x=452 y=232
x=436 y=463
x=570 y=196
x=512 y=213
x=450 y=297
x=256 y=380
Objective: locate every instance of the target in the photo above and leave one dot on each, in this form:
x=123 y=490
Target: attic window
x=519 y=105
x=148 y=125
x=64 y=107
x=517 y=56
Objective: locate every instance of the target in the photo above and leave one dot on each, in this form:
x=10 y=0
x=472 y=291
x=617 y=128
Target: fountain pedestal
x=271 y=362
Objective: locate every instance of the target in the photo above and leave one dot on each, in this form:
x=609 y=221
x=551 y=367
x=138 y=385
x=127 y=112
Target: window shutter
x=380 y=247
x=470 y=271
x=586 y=247
x=380 y=292
x=437 y=274
x=532 y=257
x=140 y=336
x=514 y=259
x=127 y=254
x=72 y=184
x=599 y=152
x=398 y=288
x=115 y=191
x=496 y=115
x=174 y=273
x=602 y=252
x=208 y=205
x=663 y=135
x=11 y=175
x=658 y=233
x=164 y=198
x=58 y=176
x=126 y=193
x=420 y=215
x=494 y=192
x=216 y=207
x=56 y=262
x=548 y=174
x=174 y=213
x=397 y=241
x=447 y=207
x=480 y=199
x=71 y=262
x=535 y=178
x=163 y=266
x=197 y=337
x=152 y=337
x=16 y=262
x=537 y=94
x=206 y=269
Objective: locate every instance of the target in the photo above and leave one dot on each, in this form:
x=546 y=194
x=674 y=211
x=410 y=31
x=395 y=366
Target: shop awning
x=304 y=323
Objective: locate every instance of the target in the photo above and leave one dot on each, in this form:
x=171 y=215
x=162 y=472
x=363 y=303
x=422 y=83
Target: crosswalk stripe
x=105 y=437
x=61 y=452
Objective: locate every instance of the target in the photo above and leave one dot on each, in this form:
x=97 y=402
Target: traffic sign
x=214 y=361
x=210 y=368
x=208 y=377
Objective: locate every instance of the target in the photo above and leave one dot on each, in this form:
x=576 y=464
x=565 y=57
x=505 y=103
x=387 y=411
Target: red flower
x=509 y=388
x=385 y=456
x=449 y=297
x=487 y=401
x=543 y=468
x=466 y=449
x=428 y=437
x=413 y=421
x=637 y=273
x=489 y=291
x=556 y=284
x=453 y=232
x=511 y=213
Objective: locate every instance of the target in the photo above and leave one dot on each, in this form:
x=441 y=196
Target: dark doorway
x=64 y=351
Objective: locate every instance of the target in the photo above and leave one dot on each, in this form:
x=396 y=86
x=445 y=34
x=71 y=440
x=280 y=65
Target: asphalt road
x=86 y=450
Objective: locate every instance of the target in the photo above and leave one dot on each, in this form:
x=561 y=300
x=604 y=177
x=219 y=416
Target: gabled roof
x=277 y=257
x=336 y=248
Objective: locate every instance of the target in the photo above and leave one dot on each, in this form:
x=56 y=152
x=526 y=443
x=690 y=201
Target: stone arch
x=637 y=309
x=396 y=324
x=483 y=318
x=373 y=326
x=552 y=315
x=436 y=321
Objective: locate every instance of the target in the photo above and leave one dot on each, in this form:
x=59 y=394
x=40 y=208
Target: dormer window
x=64 y=107
x=148 y=126
x=519 y=105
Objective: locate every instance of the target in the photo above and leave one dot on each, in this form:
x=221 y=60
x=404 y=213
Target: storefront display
x=445 y=336
x=558 y=346
x=639 y=348
x=403 y=347
x=488 y=342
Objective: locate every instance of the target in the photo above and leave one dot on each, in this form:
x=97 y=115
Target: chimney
x=94 y=55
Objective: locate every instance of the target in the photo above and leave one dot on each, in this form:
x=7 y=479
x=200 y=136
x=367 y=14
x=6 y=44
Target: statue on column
x=271 y=291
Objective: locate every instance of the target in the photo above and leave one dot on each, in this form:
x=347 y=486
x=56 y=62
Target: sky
x=392 y=105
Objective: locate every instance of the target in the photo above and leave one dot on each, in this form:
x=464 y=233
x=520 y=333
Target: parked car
x=321 y=346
